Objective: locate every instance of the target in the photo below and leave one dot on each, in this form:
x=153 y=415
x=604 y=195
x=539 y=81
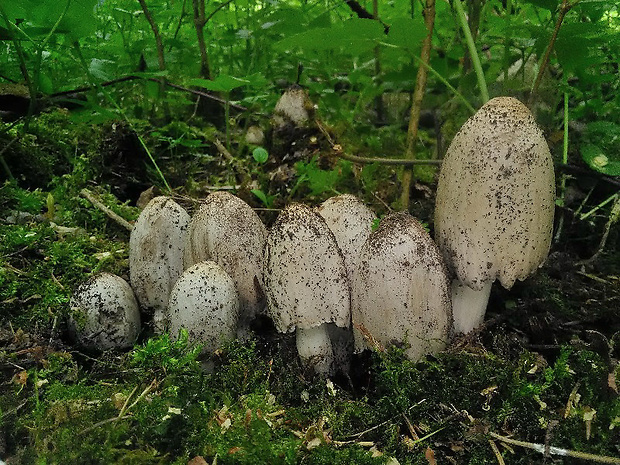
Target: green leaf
x=352 y=37
x=596 y=159
x=266 y=200
x=546 y=4
x=260 y=155
x=407 y=33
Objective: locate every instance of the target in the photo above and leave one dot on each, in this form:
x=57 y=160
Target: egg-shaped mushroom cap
x=204 y=301
x=351 y=222
x=226 y=230
x=495 y=196
x=156 y=248
x=305 y=276
x=401 y=292
x=104 y=313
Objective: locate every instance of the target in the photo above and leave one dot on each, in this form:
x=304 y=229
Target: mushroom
x=401 y=291
x=351 y=222
x=204 y=301
x=294 y=107
x=226 y=230
x=306 y=283
x=495 y=205
x=156 y=255
x=104 y=313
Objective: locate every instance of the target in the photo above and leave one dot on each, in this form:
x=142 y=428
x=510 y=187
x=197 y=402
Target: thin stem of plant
x=565 y=7
x=471 y=46
x=416 y=106
x=557 y=450
x=88 y=195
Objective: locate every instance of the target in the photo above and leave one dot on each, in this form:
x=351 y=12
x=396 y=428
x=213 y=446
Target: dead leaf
x=21 y=378
x=429 y=454
x=198 y=460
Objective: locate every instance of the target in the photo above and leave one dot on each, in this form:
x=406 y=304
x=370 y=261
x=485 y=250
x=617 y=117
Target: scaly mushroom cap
x=495 y=196
x=105 y=313
x=401 y=289
x=305 y=276
x=351 y=222
x=156 y=248
x=204 y=301
x=226 y=230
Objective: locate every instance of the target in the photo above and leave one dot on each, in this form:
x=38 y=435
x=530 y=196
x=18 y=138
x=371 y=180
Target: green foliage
x=602 y=148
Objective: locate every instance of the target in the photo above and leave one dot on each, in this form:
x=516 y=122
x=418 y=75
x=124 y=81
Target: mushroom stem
x=469 y=306
x=315 y=348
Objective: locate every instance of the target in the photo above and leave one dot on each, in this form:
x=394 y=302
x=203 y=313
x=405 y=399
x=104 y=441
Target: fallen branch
x=88 y=195
x=557 y=450
x=340 y=153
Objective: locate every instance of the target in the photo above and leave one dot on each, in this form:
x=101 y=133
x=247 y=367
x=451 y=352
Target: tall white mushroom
x=351 y=222
x=401 y=289
x=226 y=230
x=156 y=248
x=306 y=283
x=495 y=205
x=104 y=313
x=204 y=301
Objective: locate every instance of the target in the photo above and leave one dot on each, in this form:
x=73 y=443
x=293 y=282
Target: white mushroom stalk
x=156 y=248
x=495 y=205
x=226 y=230
x=401 y=289
x=306 y=283
x=351 y=222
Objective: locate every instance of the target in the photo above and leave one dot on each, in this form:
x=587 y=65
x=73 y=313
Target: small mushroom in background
x=226 y=230
x=306 y=283
x=105 y=313
x=401 y=291
x=293 y=108
x=205 y=302
x=495 y=204
x=254 y=135
x=156 y=248
x=351 y=222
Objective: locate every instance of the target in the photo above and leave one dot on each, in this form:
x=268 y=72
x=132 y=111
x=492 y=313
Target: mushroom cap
x=204 y=301
x=495 y=196
x=105 y=313
x=226 y=230
x=305 y=276
x=292 y=107
x=351 y=222
x=156 y=248
x=400 y=288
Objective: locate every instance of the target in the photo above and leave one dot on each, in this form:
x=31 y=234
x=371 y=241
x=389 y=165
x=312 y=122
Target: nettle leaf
x=596 y=159
x=352 y=37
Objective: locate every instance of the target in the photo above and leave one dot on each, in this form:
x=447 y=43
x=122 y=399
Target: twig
x=416 y=106
x=557 y=450
x=565 y=7
x=497 y=453
x=340 y=153
x=97 y=203
x=246 y=178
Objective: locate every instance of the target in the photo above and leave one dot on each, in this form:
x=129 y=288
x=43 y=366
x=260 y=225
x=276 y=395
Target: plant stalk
x=416 y=106
x=471 y=46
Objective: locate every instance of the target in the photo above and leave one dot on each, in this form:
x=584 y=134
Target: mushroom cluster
x=325 y=274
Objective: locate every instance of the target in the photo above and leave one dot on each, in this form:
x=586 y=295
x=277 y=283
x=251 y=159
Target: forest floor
x=537 y=383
